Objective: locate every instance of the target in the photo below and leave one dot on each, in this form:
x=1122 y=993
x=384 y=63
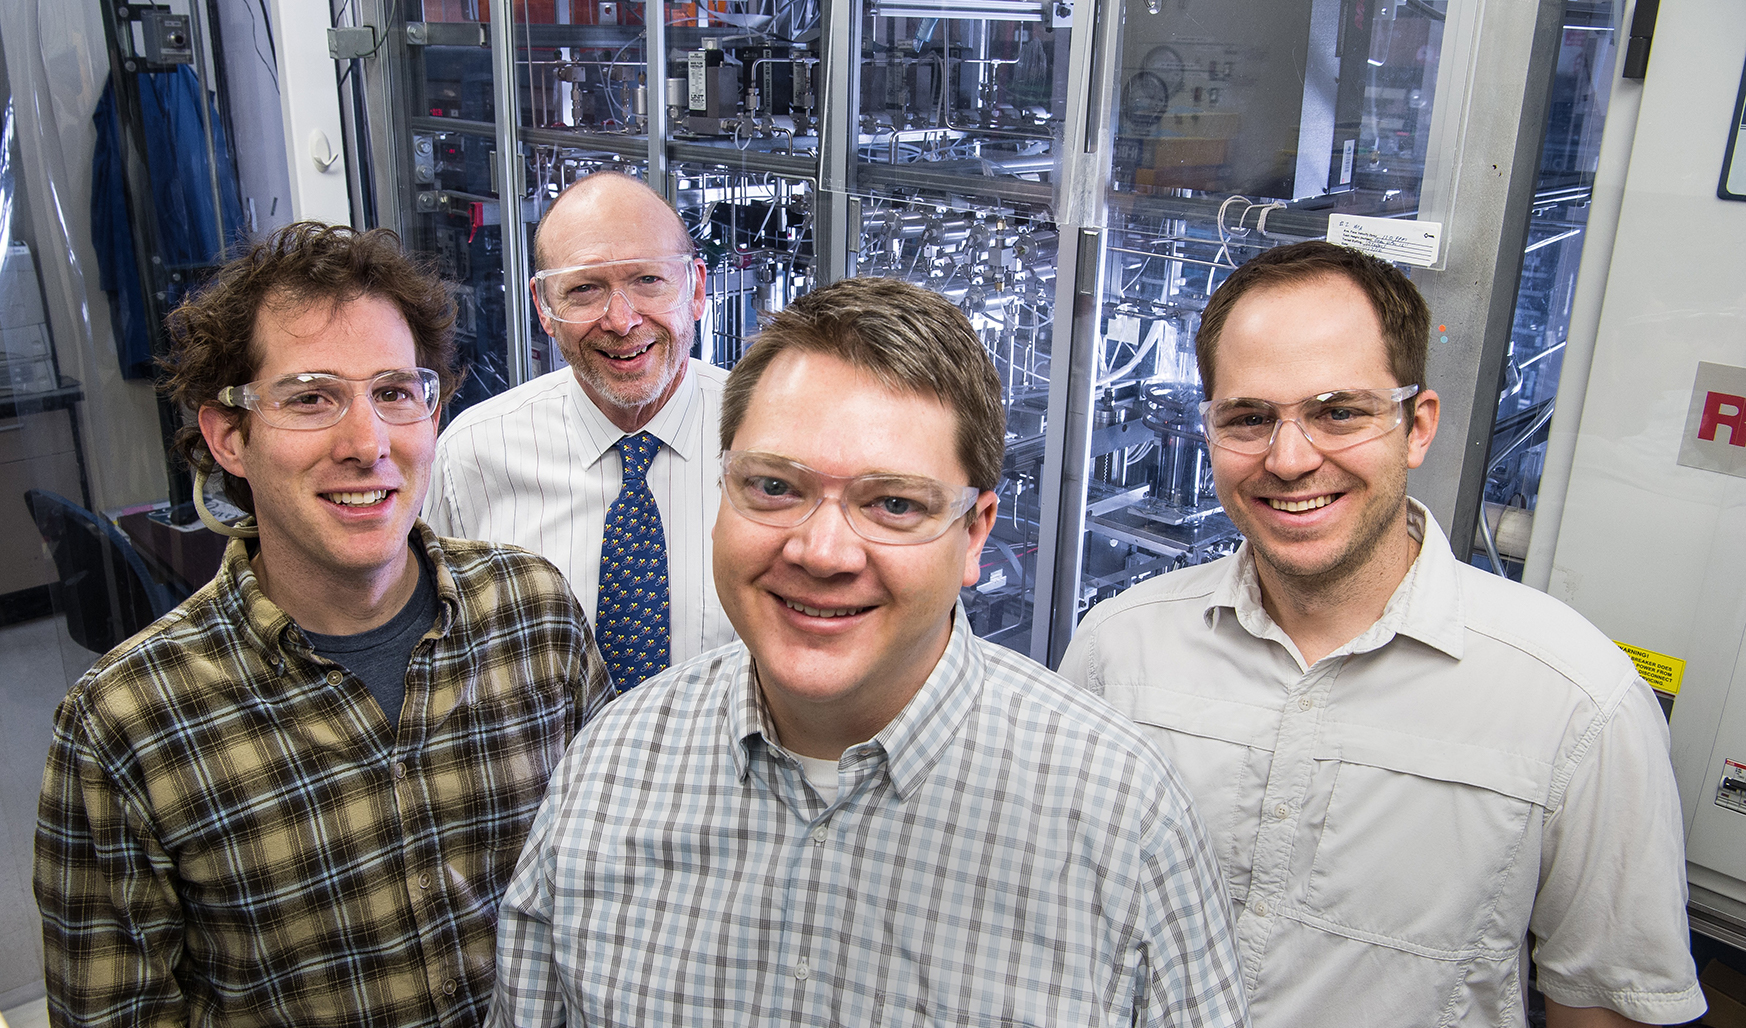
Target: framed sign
x=1733 y=183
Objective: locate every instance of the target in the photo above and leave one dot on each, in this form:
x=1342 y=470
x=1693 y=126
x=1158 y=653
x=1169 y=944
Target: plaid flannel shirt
x=231 y=833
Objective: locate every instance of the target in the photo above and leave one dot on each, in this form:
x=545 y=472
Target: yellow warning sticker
x=1658 y=669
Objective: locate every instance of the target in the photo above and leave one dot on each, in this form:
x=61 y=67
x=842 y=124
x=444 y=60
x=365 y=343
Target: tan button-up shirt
x=1393 y=821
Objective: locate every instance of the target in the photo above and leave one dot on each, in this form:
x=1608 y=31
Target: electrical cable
x=335 y=23
x=1490 y=543
x=271 y=64
x=1150 y=344
x=1223 y=257
x=1544 y=416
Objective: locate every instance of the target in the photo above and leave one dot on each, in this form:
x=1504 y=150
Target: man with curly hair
x=297 y=798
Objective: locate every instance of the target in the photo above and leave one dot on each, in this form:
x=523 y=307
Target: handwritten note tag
x=1409 y=242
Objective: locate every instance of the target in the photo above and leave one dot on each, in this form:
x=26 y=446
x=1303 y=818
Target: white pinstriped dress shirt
x=536 y=467
x=1007 y=851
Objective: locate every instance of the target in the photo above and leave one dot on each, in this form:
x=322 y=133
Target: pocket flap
x=1206 y=716
x=1508 y=774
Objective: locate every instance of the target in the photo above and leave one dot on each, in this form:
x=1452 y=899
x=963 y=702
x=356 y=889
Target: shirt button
x=801 y=971
x=1305 y=703
x=424 y=881
x=1281 y=810
x=400 y=769
x=1260 y=908
x=820 y=834
x=335 y=678
x=449 y=986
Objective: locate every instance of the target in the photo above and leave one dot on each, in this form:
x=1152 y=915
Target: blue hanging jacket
x=181 y=191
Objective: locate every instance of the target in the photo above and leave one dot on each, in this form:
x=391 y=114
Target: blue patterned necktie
x=631 y=623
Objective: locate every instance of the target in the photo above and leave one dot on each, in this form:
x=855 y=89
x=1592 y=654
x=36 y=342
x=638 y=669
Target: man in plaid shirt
x=862 y=814
x=296 y=799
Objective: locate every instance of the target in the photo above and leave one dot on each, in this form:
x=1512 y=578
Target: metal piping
x=509 y=190
x=655 y=26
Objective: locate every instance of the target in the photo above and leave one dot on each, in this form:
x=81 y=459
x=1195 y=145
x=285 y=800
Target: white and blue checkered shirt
x=1008 y=850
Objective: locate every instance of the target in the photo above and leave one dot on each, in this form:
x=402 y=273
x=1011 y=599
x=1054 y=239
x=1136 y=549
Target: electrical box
x=168 y=39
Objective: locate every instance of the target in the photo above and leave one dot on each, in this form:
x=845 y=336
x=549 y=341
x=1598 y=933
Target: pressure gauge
x=1145 y=99
x=1167 y=64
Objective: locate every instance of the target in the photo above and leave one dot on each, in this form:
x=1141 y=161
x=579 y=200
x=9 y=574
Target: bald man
x=606 y=467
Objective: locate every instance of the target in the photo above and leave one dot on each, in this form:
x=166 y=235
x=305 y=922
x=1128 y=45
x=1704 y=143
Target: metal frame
x=655 y=30
x=389 y=140
x=1082 y=208
x=1715 y=915
x=510 y=187
x=837 y=221
x=1491 y=193
x=1498 y=67
x=1067 y=443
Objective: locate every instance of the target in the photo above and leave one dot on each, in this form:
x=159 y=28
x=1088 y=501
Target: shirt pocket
x=1222 y=751
x=485 y=772
x=1422 y=839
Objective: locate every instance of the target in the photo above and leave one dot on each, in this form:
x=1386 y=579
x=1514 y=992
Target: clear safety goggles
x=313 y=400
x=581 y=294
x=902 y=510
x=1331 y=421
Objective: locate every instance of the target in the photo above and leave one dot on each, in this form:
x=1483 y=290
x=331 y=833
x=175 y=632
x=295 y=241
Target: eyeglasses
x=313 y=400
x=902 y=510
x=580 y=295
x=1330 y=421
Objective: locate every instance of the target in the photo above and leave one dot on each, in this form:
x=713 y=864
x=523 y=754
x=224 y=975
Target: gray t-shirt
x=379 y=657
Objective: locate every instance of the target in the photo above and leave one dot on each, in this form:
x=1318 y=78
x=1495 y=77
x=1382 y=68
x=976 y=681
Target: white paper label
x=1732 y=792
x=1124 y=328
x=1409 y=242
x=696 y=72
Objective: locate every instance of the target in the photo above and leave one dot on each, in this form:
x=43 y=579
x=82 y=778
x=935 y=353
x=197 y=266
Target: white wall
x=1649 y=549
x=259 y=139
x=309 y=102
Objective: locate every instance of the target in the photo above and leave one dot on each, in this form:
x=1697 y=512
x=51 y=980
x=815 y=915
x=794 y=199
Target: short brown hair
x=1406 y=320
x=909 y=339
x=300 y=266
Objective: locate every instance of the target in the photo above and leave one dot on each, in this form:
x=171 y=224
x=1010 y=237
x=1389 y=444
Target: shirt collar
x=447 y=588
x=273 y=632
x=747 y=718
x=1425 y=606
x=259 y=619
x=675 y=424
x=914 y=740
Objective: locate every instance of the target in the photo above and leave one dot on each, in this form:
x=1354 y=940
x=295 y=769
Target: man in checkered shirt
x=296 y=798
x=861 y=814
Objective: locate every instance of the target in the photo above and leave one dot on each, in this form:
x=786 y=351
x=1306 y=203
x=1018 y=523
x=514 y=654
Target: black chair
x=105 y=591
